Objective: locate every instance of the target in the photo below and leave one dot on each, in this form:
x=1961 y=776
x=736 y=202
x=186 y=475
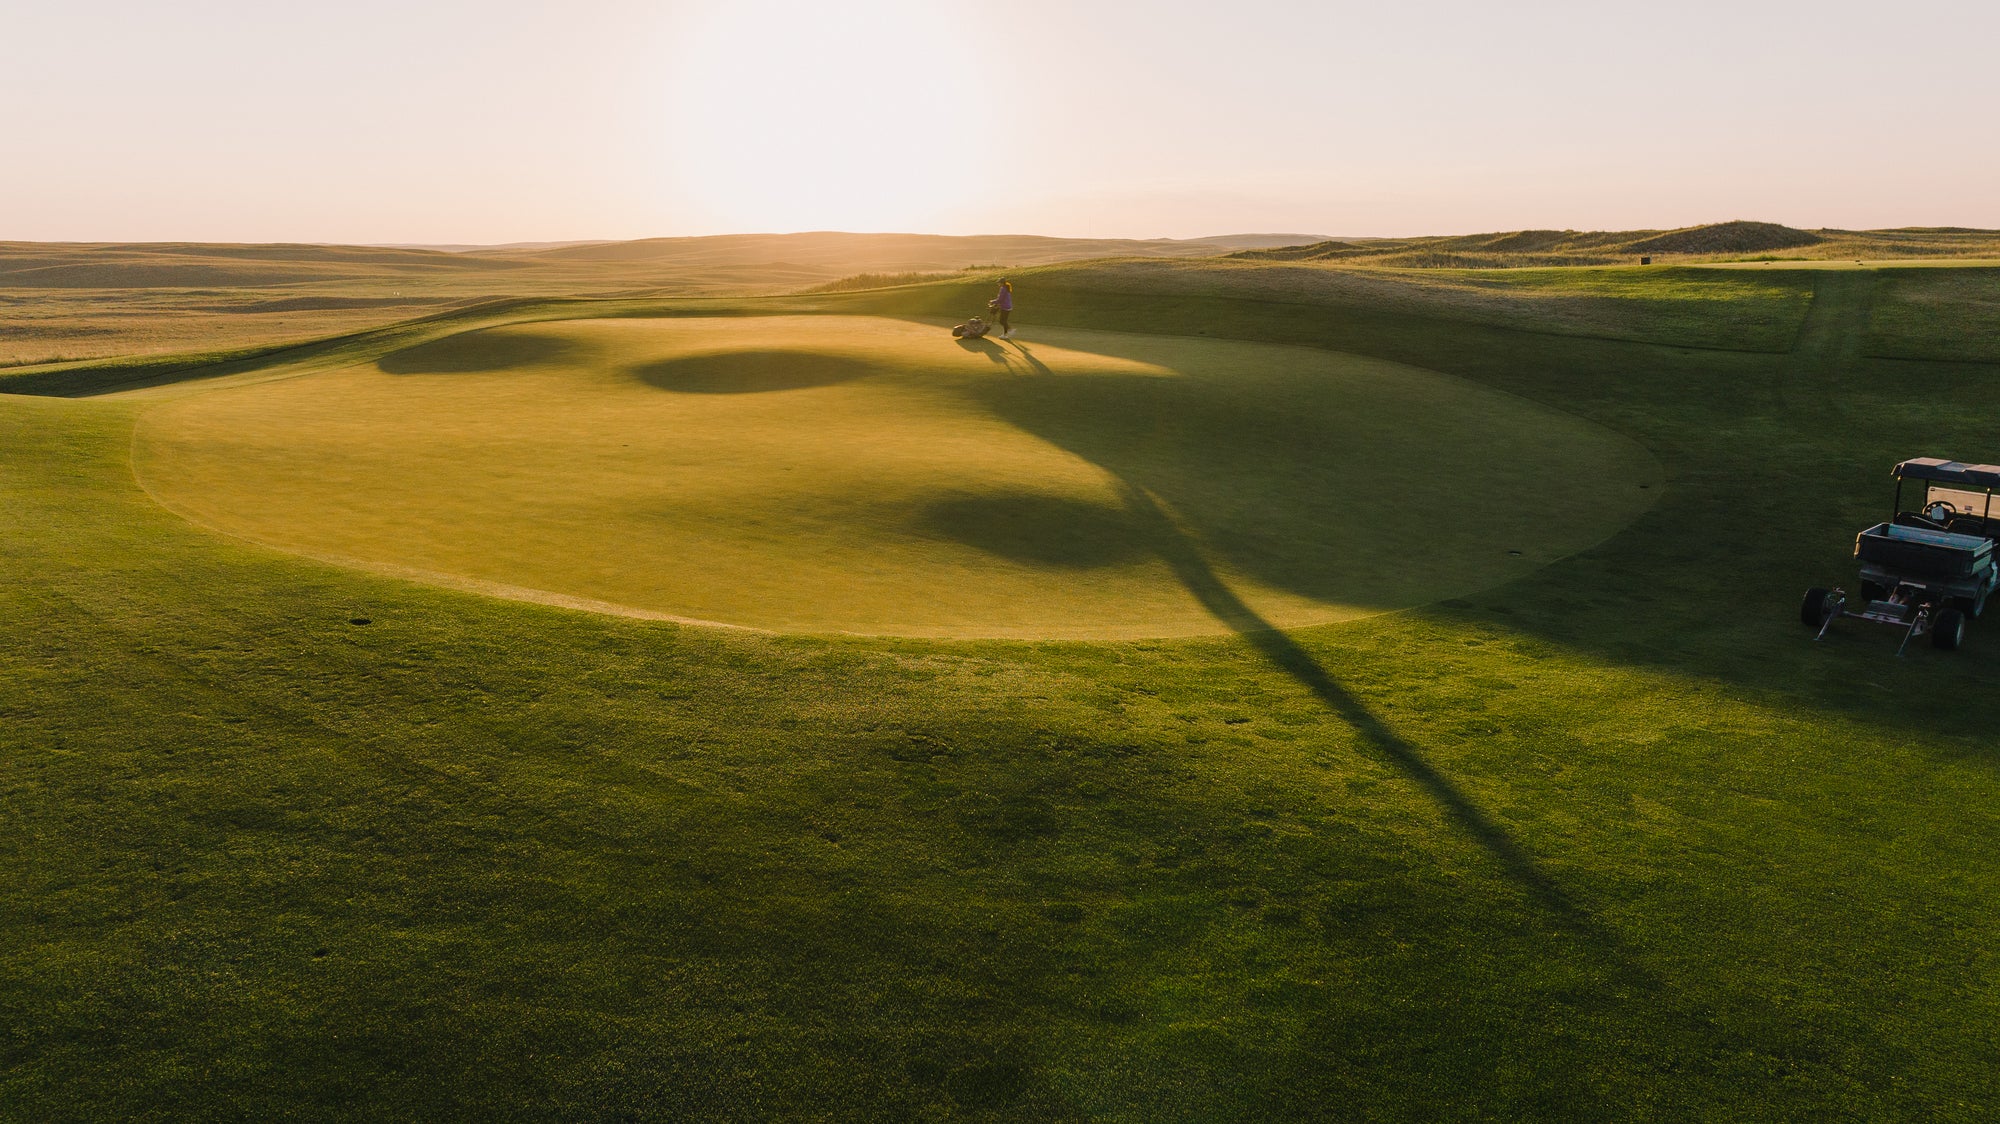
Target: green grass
x=1612 y=841
x=850 y=474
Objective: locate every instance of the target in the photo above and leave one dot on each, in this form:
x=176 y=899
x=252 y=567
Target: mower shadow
x=986 y=347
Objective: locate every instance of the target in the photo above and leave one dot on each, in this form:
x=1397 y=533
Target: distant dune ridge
x=729 y=262
x=66 y=302
x=72 y=301
x=1601 y=247
x=1728 y=238
x=791 y=262
x=887 y=252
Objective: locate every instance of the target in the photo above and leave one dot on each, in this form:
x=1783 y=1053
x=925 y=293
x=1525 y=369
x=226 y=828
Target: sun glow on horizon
x=861 y=116
x=446 y=121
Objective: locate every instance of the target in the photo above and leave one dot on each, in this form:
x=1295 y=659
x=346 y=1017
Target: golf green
x=873 y=475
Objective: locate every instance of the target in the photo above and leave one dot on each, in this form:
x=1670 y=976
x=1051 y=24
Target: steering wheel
x=1939 y=511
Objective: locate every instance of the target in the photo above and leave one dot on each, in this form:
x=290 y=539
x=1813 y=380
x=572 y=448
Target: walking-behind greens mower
x=1927 y=570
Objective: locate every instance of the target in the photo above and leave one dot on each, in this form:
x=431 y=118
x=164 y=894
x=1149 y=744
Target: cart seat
x=1975 y=525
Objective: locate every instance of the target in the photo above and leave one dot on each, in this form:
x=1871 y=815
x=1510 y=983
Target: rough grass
x=814 y=474
x=83 y=301
x=1614 y=841
x=1736 y=310
x=1937 y=314
x=881 y=281
x=72 y=326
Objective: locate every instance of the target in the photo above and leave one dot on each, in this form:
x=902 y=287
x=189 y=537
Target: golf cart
x=1930 y=568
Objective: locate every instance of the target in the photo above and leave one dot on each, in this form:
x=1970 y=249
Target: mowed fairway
x=872 y=475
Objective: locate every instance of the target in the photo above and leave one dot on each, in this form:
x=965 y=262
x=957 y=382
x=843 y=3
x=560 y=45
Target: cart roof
x=1949 y=472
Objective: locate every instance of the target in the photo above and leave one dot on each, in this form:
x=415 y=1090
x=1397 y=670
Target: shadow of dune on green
x=1039 y=530
x=752 y=372
x=483 y=352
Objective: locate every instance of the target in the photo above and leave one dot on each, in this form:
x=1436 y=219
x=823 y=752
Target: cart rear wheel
x=1949 y=631
x=1972 y=607
x=1814 y=610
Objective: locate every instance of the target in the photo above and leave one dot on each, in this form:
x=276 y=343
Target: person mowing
x=1003 y=305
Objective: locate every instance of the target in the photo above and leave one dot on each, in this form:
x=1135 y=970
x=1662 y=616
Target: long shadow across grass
x=1283 y=475
x=1206 y=586
x=1179 y=551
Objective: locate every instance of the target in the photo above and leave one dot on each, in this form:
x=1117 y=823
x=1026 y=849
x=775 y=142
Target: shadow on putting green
x=499 y=349
x=751 y=372
x=1266 y=475
x=1214 y=446
x=1039 y=530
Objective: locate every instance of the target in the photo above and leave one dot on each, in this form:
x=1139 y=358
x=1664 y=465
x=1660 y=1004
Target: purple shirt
x=1005 y=301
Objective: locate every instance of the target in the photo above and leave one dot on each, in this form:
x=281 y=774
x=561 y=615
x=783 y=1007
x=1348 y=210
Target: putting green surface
x=854 y=474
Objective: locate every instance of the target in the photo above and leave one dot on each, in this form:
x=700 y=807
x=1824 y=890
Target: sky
x=455 y=121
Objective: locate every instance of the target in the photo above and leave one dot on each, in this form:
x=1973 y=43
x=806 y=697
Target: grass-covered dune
x=1610 y=840
x=68 y=302
x=1723 y=241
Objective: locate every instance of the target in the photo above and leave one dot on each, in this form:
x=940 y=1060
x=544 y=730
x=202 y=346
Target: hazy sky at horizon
x=442 y=121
